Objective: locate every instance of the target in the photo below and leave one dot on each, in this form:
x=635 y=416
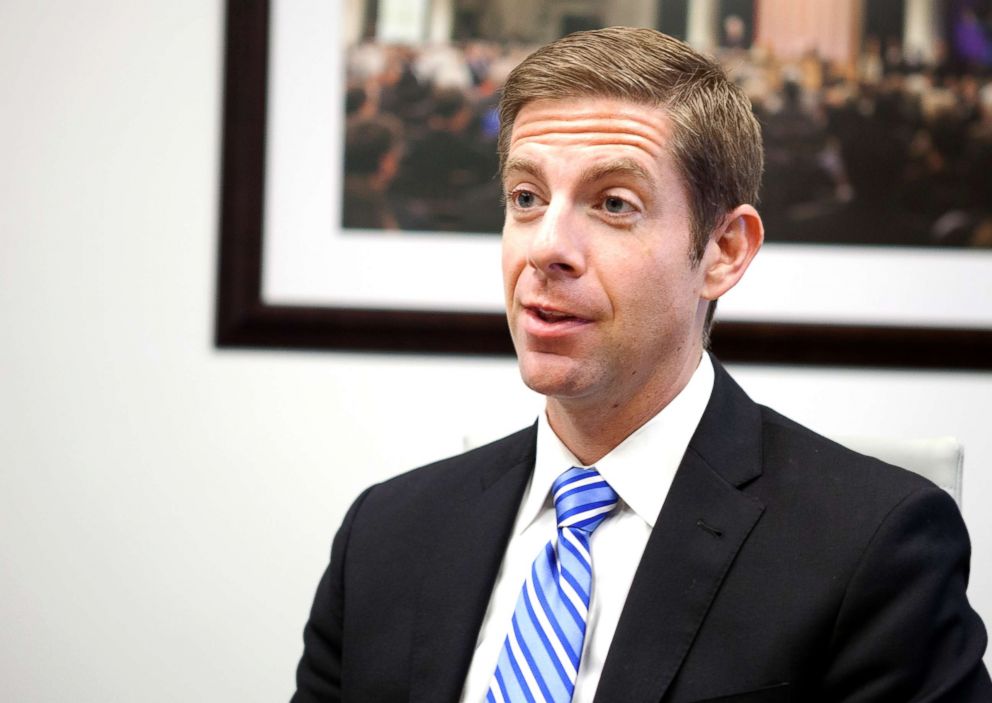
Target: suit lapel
x=466 y=544
x=703 y=524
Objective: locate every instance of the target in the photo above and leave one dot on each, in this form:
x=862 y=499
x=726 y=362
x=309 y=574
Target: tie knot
x=582 y=499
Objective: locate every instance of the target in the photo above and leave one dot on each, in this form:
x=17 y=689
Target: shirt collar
x=641 y=468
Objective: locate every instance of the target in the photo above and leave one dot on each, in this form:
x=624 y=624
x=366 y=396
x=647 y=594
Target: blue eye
x=616 y=206
x=523 y=198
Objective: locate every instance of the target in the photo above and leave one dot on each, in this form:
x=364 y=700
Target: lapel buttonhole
x=716 y=532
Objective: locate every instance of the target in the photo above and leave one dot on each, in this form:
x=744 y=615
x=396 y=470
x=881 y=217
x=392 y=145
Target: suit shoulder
x=453 y=474
x=397 y=515
x=796 y=456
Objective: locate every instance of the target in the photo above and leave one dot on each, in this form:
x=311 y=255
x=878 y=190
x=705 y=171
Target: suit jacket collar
x=467 y=542
x=729 y=437
x=703 y=524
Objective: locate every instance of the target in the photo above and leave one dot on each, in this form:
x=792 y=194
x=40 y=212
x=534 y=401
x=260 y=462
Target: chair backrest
x=940 y=459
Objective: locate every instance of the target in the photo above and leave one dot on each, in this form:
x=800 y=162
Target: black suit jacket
x=782 y=567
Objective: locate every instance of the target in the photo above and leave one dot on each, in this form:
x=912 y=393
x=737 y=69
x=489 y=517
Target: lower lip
x=532 y=324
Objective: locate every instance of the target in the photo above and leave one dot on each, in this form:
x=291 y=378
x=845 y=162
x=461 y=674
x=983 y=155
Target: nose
x=555 y=251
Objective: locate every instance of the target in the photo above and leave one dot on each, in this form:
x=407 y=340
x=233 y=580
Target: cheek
x=512 y=263
x=653 y=297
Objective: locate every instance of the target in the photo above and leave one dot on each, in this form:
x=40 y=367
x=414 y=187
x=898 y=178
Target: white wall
x=165 y=508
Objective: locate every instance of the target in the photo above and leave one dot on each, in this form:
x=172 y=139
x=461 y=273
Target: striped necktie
x=540 y=657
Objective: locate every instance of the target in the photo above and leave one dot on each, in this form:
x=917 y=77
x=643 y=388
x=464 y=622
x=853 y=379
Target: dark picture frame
x=245 y=320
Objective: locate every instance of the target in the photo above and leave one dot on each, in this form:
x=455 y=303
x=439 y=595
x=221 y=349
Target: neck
x=591 y=430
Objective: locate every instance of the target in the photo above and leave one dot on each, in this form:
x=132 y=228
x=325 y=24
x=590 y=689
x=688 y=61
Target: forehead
x=607 y=123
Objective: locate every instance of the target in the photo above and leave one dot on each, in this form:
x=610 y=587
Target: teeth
x=551 y=315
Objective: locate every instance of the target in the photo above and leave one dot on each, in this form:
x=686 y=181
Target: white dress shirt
x=640 y=469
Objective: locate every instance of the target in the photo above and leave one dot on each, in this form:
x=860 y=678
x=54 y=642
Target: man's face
x=602 y=298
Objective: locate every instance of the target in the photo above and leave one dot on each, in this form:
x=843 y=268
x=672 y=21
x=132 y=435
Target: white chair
x=940 y=459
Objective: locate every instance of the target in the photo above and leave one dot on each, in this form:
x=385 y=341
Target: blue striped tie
x=540 y=657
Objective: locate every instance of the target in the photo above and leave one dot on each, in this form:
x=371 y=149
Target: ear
x=729 y=252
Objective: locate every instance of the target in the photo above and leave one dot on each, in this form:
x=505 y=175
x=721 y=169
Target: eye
x=617 y=206
x=523 y=199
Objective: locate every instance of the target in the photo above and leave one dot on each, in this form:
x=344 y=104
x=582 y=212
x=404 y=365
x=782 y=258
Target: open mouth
x=548 y=323
x=552 y=315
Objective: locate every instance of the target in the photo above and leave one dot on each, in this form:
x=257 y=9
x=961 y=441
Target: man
x=373 y=148
x=736 y=556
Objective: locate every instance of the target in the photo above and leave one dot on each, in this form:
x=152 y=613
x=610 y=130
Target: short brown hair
x=716 y=140
x=367 y=140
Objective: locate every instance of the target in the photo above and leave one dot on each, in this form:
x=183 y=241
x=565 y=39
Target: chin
x=551 y=375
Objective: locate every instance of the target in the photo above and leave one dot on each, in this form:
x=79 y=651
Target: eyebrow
x=516 y=165
x=614 y=167
x=617 y=167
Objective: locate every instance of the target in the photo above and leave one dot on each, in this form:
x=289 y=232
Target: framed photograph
x=360 y=208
